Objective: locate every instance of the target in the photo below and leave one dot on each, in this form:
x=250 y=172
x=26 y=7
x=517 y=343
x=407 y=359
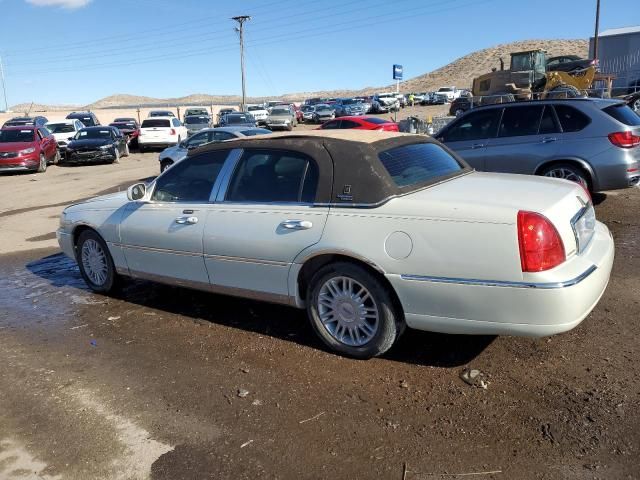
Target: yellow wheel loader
x=528 y=77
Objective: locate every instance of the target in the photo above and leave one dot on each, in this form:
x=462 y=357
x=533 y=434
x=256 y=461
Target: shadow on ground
x=282 y=322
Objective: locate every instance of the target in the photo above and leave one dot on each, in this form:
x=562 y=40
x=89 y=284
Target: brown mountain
x=460 y=73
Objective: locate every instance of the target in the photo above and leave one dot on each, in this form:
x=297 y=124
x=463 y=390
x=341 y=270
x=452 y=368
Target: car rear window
x=196 y=119
x=418 y=163
x=156 y=123
x=623 y=114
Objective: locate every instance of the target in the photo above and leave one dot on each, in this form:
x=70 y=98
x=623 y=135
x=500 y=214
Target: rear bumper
x=509 y=308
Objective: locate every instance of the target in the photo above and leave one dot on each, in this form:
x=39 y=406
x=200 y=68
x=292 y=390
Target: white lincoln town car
x=371 y=232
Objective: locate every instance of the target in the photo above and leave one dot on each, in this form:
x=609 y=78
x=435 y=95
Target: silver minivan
x=595 y=142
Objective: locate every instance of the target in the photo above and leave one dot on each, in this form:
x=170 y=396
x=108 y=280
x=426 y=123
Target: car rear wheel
x=42 y=163
x=126 y=150
x=95 y=262
x=352 y=312
x=56 y=157
x=116 y=156
x=458 y=112
x=567 y=171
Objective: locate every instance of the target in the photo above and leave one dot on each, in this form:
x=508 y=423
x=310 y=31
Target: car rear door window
x=198 y=139
x=474 y=126
x=418 y=163
x=222 y=136
x=519 y=121
x=623 y=114
x=333 y=124
x=571 y=119
x=349 y=124
x=266 y=176
x=549 y=123
x=190 y=180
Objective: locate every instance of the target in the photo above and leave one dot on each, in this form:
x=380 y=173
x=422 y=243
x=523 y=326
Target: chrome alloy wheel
x=94 y=262
x=566 y=174
x=348 y=311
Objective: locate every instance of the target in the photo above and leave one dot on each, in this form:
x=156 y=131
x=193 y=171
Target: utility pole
x=241 y=19
x=4 y=87
x=595 y=35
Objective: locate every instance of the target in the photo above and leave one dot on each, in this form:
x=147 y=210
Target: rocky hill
x=460 y=73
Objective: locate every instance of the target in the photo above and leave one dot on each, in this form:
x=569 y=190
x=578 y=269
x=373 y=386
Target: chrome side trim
x=159 y=250
x=502 y=283
x=246 y=260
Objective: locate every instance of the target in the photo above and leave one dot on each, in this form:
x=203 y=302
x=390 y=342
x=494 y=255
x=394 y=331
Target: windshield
x=238 y=119
x=196 y=119
x=308 y=108
x=122 y=119
x=280 y=111
x=196 y=111
x=123 y=125
x=8 y=136
x=418 y=163
x=444 y=89
x=254 y=108
x=19 y=123
x=161 y=114
x=93 y=134
x=155 y=123
x=349 y=101
x=60 y=127
x=86 y=121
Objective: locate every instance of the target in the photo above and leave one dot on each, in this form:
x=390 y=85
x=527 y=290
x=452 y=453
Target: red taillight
x=624 y=139
x=172 y=132
x=541 y=247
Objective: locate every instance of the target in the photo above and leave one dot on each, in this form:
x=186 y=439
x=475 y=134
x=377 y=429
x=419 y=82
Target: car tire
x=635 y=105
x=116 y=156
x=56 y=157
x=126 y=151
x=165 y=164
x=336 y=290
x=290 y=127
x=42 y=164
x=568 y=171
x=458 y=112
x=141 y=149
x=95 y=263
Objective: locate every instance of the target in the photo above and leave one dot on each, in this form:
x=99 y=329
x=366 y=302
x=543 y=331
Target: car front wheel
x=42 y=163
x=95 y=262
x=352 y=312
x=165 y=164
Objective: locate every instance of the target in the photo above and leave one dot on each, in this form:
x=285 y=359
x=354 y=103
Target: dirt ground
x=166 y=383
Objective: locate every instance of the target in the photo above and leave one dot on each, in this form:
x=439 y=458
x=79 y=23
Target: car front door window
x=197 y=140
x=190 y=180
x=474 y=126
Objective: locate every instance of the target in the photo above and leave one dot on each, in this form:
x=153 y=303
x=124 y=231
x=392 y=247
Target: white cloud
x=70 y=4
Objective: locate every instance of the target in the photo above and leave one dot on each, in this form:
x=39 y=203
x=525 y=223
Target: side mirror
x=70 y=138
x=137 y=191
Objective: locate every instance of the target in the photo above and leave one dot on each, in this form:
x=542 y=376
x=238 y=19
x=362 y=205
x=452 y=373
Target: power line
x=301 y=34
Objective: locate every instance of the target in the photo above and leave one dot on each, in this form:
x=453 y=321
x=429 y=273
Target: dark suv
x=595 y=142
x=89 y=119
x=37 y=121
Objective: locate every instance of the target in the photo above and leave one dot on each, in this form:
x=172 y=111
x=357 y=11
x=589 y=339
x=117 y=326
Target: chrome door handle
x=477 y=145
x=296 y=224
x=187 y=220
x=549 y=139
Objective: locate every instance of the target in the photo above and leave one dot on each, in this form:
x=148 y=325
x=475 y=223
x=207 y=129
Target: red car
x=28 y=148
x=361 y=123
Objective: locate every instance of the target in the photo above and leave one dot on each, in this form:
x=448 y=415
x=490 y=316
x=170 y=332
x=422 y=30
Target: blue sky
x=77 y=51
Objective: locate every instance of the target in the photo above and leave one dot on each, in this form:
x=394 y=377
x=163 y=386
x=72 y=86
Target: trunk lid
x=497 y=198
